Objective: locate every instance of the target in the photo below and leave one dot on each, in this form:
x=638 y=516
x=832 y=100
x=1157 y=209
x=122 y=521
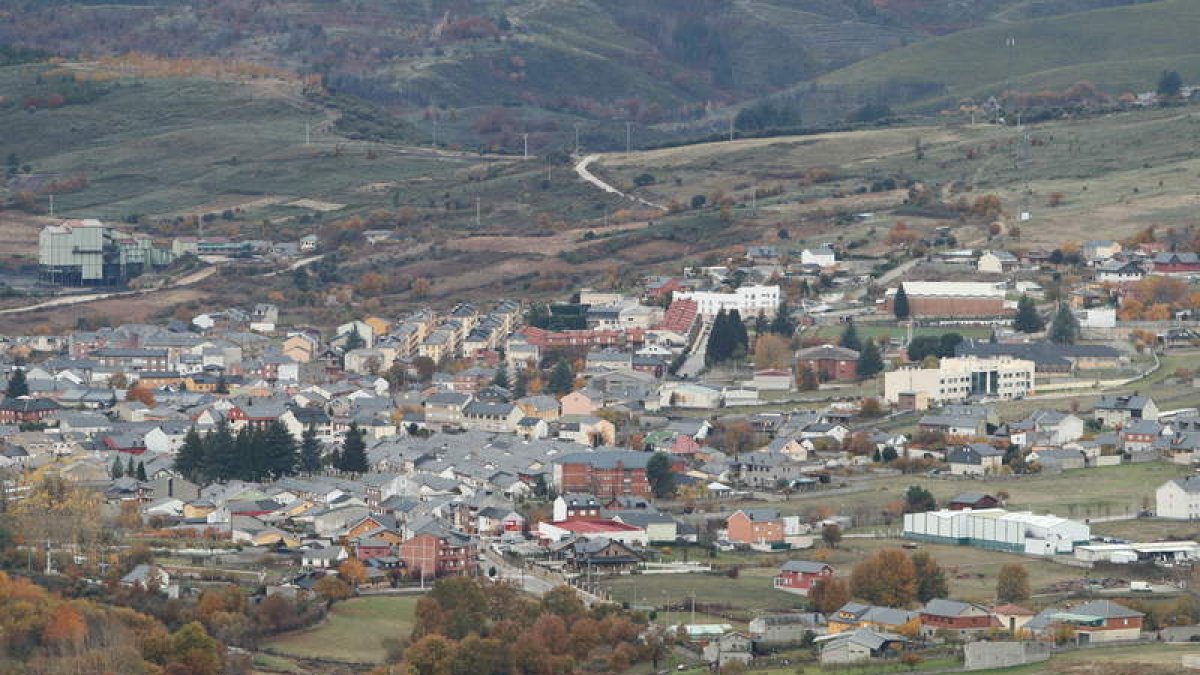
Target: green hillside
x=1118 y=49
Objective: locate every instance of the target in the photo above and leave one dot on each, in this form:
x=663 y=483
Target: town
x=942 y=471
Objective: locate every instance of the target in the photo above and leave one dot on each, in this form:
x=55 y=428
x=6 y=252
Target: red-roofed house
x=680 y=317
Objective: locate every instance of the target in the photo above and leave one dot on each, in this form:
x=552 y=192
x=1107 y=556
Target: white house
x=821 y=256
x=996 y=262
x=749 y=301
x=1178 y=499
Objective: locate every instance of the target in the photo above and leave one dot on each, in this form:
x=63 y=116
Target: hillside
x=1119 y=49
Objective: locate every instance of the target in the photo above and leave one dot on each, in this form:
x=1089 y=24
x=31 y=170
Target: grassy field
x=1148 y=529
x=1119 y=49
x=353 y=632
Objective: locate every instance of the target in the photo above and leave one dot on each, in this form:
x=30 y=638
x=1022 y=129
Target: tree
x=931 y=578
x=1169 y=84
x=870 y=407
x=310 y=451
x=520 y=385
x=918 y=500
x=130 y=468
x=829 y=594
x=1027 y=319
x=888 y=577
x=738 y=334
x=279 y=449
x=771 y=351
x=355 y=340
x=660 y=476
x=719 y=346
x=118 y=469
x=562 y=378
x=501 y=377
x=1065 y=327
x=430 y=655
x=900 y=303
x=331 y=589
x=806 y=379
x=353 y=457
x=190 y=460
x=870 y=362
x=849 y=338
x=353 y=572
x=141 y=471
x=831 y=534
x=17 y=386
x=783 y=324
x=1012 y=585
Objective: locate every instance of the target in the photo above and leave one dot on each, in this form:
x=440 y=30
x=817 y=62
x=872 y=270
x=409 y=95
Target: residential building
x=821 y=256
x=798 y=576
x=1119 y=410
x=603 y=473
x=749 y=301
x=976 y=459
x=437 y=551
x=996 y=262
x=962 y=618
x=959 y=378
x=1100 y=621
x=755 y=526
x=858 y=646
x=1178 y=499
x=855 y=615
x=785 y=629
x=829 y=362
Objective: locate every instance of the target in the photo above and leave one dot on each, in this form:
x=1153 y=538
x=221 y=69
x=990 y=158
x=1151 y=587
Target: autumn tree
x=806 y=379
x=353 y=572
x=1012 y=585
x=887 y=577
x=332 y=589
x=831 y=534
x=431 y=655
x=931 y=578
x=141 y=394
x=829 y=594
x=772 y=351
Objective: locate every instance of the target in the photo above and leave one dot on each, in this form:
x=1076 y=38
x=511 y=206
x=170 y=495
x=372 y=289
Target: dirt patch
x=19 y=233
x=551 y=245
x=129 y=309
x=317 y=205
x=230 y=203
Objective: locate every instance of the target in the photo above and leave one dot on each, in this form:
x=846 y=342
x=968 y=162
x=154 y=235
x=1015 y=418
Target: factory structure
x=89 y=253
x=998 y=530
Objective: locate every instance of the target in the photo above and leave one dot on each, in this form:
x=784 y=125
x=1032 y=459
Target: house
x=604 y=473
x=596 y=555
x=785 y=629
x=1118 y=410
x=660 y=528
x=755 y=526
x=1098 y=250
x=729 y=648
x=1101 y=621
x=437 y=551
x=976 y=459
x=567 y=506
x=962 y=618
x=1119 y=272
x=1178 y=499
x=580 y=403
x=829 y=362
x=27 y=410
x=858 y=646
x=1012 y=617
x=798 y=576
x=147 y=577
x=996 y=262
x=972 y=500
x=1175 y=263
x=855 y=615
x=821 y=256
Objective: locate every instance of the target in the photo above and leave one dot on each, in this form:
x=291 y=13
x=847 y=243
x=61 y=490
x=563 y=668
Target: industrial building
x=87 y=253
x=950 y=299
x=1158 y=551
x=998 y=530
x=957 y=379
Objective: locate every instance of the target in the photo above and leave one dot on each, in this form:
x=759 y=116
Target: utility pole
x=51 y=204
x=576 y=139
x=477 y=221
x=435 y=142
x=731 y=129
x=628 y=136
x=307 y=133
x=525 y=138
x=754 y=201
x=693 y=608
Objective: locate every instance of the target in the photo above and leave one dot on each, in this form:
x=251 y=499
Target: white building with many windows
x=1179 y=499
x=749 y=301
x=956 y=379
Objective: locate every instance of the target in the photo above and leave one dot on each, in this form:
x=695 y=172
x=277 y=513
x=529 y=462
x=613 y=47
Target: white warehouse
x=998 y=530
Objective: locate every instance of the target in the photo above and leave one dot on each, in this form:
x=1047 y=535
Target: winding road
x=581 y=170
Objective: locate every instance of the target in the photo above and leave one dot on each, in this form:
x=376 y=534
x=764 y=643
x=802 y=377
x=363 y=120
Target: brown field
x=19 y=233
x=549 y=245
x=131 y=309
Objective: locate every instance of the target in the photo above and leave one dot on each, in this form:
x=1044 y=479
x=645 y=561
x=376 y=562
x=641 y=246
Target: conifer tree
x=310 y=451
x=117 y=470
x=520 y=384
x=17 y=385
x=1065 y=327
x=501 y=378
x=280 y=449
x=870 y=362
x=130 y=468
x=718 y=347
x=900 y=303
x=353 y=457
x=189 y=461
x=141 y=471
x=850 y=339
x=220 y=453
x=738 y=336
x=783 y=324
x=1027 y=319
x=562 y=378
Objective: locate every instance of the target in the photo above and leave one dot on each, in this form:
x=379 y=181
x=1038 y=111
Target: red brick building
x=1176 y=263
x=367 y=548
x=961 y=617
x=605 y=473
x=546 y=339
x=437 y=552
x=755 y=526
x=26 y=410
x=949 y=299
x=829 y=362
x=798 y=576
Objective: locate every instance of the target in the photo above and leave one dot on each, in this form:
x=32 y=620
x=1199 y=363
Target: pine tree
x=783 y=324
x=900 y=303
x=310 y=451
x=520 y=385
x=1065 y=327
x=220 y=453
x=280 y=450
x=130 y=468
x=718 y=347
x=761 y=324
x=501 y=378
x=870 y=362
x=117 y=470
x=249 y=462
x=353 y=457
x=850 y=339
x=222 y=385
x=17 y=386
x=189 y=462
x=562 y=378
x=141 y=471
x=1027 y=319
x=738 y=335
x=355 y=340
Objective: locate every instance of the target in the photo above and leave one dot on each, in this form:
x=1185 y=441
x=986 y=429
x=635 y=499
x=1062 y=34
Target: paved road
x=188 y=280
x=581 y=169
x=694 y=363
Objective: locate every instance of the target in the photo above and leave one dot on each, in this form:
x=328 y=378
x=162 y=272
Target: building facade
x=959 y=378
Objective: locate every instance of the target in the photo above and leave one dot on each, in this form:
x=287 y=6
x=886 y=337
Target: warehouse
x=1159 y=551
x=950 y=299
x=998 y=530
